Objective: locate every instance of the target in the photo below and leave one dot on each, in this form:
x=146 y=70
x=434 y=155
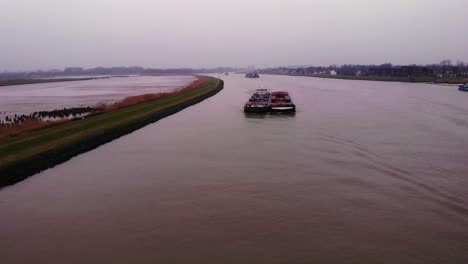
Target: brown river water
x=365 y=172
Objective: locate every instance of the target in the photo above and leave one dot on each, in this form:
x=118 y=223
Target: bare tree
x=446 y=62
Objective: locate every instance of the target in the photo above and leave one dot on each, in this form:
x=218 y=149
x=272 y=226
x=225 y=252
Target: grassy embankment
x=8 y=82
x=26 y=154
x=460 y=80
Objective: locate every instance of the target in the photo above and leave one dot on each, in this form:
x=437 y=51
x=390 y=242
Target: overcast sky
x=45 y=34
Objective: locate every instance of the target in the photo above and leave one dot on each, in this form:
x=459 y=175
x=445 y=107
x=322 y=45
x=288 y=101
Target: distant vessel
x=463 y=88
x=281 y=102
x=263 y=101
x=226 y=73
x=259 y=102
x=252 y=75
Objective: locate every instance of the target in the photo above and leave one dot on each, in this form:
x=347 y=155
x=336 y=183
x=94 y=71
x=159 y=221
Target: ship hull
x=257 y=110
x=284 y=109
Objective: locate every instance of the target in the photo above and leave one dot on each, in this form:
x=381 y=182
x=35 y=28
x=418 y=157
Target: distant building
x=333 y=72
x=450 y=74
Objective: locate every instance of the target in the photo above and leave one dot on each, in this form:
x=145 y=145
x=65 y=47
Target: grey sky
x=44 y=34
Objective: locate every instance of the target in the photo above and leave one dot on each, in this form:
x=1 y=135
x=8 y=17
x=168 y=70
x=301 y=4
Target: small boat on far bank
x=463 y=88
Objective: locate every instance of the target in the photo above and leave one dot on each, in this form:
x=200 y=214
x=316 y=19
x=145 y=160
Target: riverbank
x=24 y=155
x=9 y=82
x=384 y=79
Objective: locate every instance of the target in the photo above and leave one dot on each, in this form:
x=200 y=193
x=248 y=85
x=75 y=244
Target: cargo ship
x=259 y=102
x=252 y=75
x=263 y=101
x=281 y=102
x=463 y=88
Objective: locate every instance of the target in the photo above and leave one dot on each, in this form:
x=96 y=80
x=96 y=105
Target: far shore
x=461 y=80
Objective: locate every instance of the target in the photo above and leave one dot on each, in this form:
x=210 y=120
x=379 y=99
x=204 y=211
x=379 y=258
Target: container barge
x=259 y=102
x=263 y=101
x=281 y=102
x=252 y=75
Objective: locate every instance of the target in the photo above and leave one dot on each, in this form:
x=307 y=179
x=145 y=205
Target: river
x=365 y=172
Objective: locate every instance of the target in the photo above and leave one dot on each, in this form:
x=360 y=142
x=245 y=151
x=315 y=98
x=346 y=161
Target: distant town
x=445 y=71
